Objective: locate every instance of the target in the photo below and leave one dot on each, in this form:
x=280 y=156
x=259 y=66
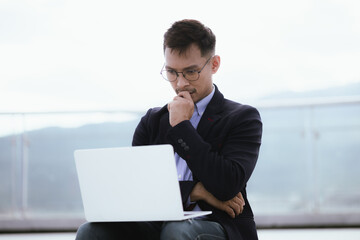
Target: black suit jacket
x=221 y=153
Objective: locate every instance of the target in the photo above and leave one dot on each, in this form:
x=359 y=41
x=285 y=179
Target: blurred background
x=80 y=74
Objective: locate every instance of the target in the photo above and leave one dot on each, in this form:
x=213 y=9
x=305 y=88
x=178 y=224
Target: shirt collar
x=201 y=105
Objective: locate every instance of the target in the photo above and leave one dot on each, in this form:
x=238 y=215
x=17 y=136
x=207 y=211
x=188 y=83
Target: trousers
x=192 y=229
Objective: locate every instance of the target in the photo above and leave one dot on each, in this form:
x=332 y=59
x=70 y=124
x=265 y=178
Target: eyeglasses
x=190 y=75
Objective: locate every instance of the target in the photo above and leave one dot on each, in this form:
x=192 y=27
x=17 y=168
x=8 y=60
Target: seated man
x=216 y=143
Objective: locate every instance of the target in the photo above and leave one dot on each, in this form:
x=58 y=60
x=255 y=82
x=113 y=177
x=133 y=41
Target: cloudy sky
x=106 y=55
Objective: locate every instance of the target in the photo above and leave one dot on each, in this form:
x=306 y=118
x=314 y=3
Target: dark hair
x=183 y=33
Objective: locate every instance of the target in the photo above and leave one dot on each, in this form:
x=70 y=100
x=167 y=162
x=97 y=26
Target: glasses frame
x=177 y=73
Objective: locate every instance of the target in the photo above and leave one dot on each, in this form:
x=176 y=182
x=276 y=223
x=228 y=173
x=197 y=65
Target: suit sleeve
x=141 y=135
x=225 y=163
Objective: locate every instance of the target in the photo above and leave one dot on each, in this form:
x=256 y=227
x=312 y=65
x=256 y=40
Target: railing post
x=24 y=169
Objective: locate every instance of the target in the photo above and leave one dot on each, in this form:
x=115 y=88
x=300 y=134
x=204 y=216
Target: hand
x=181 y=108
x=232 y=207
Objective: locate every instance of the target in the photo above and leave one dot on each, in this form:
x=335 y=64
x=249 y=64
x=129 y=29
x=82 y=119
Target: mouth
x=191 y=91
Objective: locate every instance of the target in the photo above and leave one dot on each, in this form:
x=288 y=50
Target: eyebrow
x=186 y=68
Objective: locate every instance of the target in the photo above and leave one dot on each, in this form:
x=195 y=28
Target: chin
x=195 y=99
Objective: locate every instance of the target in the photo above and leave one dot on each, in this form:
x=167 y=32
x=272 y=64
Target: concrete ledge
x=308 y=220
x=40 y=225
x=262 y=221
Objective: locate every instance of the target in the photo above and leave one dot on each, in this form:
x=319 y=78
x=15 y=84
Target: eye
x=191 y=72
x=170 y=71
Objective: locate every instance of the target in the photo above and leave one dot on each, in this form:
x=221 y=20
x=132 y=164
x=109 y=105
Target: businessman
x=216 y=143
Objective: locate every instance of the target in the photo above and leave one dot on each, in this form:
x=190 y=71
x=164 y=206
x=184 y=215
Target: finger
x=237 y=200
x=241 y=202
x=230 y=212
x=234 y=206
x=224 y=206
x=185 y=94
x=237 y=204
x=237 y=208
x=178 y=98
x=181 y=99
x=239 y=195
x=241 y=208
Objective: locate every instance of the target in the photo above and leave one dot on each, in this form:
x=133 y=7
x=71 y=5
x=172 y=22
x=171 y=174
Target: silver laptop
x=130 y=184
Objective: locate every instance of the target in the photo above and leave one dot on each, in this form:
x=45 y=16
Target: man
x=216 y=143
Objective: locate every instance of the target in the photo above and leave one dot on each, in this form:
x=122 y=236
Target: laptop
x=130 y=184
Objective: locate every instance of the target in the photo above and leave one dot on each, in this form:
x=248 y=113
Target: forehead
x=173 y=59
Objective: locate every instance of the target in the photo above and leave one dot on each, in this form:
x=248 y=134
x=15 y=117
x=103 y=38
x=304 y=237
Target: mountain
x=340 y=91
x=50 y=174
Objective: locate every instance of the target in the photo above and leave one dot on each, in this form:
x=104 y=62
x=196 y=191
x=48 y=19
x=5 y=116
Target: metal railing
x=307 y=172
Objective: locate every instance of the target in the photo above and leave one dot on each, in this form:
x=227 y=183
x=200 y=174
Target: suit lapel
x=212 y=114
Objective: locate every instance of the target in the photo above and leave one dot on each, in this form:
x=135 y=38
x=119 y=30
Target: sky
x=107 y=55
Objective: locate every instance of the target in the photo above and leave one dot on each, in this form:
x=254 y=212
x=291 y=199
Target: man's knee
x=85 y=232
x=176 y=231
x=192 y=229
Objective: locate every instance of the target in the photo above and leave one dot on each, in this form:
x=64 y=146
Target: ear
x=215 y=64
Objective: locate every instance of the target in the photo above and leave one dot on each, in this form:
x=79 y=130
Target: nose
x=181 y=81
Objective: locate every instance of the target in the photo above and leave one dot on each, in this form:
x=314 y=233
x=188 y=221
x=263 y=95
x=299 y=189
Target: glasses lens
x=169 y=75
x=191 y=75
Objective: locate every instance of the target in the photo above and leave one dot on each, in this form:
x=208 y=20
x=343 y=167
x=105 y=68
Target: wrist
x=198 y=193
